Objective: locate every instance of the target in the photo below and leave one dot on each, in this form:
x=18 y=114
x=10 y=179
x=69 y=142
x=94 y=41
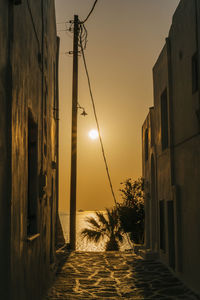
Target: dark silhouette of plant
x=131 y=210
x=104 y=226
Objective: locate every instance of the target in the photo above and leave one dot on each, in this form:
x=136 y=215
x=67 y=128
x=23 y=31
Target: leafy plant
x=131 y=210
x=104 y=227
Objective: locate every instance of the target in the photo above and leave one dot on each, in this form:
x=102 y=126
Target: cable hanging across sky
x=82 y=44
x=83 y=39
x=95 y=2
x=80 y=40
x=95 y=115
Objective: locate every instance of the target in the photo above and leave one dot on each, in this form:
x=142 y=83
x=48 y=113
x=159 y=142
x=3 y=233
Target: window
x=164 y=120
x=195 y=73
x=146 y=145
x=162 y=225
x=32 y=176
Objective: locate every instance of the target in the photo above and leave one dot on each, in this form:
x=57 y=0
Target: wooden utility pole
x=74 y=137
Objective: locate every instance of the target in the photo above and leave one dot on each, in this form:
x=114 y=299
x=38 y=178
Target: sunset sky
x=125 y=38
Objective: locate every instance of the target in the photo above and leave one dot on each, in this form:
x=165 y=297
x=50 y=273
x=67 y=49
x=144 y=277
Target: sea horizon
x=80 y=210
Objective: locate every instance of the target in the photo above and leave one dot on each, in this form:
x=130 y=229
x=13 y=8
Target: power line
x=83 y=34
x=33 y=23
x=82 y=45
x=90 y=12
x=97 y=122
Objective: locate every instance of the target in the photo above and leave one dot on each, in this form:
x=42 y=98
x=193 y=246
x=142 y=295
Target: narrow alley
x=115 y=275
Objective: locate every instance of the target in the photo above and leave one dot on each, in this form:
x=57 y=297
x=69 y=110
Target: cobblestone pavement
x=115 y=275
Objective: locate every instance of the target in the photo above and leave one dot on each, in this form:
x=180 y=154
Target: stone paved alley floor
x=115 y=275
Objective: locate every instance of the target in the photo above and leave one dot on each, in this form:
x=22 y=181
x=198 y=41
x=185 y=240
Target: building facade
x=171 y=149
x=28 y=147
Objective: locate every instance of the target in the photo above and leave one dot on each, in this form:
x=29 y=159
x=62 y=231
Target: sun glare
x=93 y=134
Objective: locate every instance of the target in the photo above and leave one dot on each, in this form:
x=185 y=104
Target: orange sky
x=125 y=38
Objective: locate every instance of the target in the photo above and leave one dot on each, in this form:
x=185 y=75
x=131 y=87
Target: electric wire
x=97 y=123
x=98 y=127
x=83 y=37
x=90 y=12
x=33 y=23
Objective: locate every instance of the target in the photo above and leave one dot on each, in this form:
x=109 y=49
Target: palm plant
x=131 y=210
x=101 y=227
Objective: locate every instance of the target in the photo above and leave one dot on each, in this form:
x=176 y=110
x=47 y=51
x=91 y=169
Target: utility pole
x=74 y=137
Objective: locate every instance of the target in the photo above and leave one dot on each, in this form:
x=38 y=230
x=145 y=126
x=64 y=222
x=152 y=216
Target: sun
x=93 y=134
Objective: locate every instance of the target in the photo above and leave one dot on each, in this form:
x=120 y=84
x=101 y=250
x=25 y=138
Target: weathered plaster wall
x=177 y=166
x=160 y=82
x=185 y=39
x=188 y=181
x=5 y=159
x=183 y=46
x=150 y=187
x=146 y=175
x=34 y=60
x=162 y=157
